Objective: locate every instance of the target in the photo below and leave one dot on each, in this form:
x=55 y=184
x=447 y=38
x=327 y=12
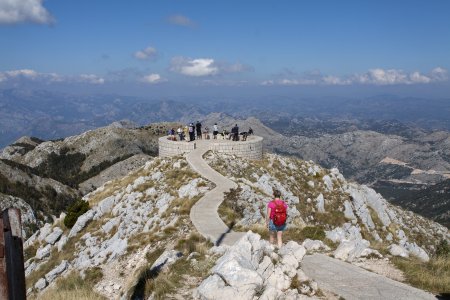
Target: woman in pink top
x=273 y=229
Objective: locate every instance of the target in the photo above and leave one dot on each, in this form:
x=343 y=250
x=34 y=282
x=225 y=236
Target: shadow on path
x=223 y=235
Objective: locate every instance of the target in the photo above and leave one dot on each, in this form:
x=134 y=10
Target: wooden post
x=11 y=237
x=3 y=277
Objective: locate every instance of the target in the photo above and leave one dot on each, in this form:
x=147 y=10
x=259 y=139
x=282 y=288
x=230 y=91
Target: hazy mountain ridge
x=51 y=115
x=50 y=175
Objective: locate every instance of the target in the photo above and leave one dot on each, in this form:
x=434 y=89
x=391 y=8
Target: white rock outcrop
x=50 y=276
x=54 y=236
x=248 y=268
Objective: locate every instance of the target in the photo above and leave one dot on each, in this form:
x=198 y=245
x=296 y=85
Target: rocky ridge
x=50 y=175
x=137 y=226
x=353 y=216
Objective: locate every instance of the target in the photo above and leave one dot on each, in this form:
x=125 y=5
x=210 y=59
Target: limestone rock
x=44 y=231
x=348 y=210
x=43 y=252
x=314 y=245
x=62 y=241
x=350 y=250
x=328 y=182
x=40 y=284
x=320 y=203
x=397 y=250
x=54 y=236
x=417 y=251
x=50 y=276
x=346 y=232
x=189 y=190
x=30 y=268
x=215 y=288
x=82 y=222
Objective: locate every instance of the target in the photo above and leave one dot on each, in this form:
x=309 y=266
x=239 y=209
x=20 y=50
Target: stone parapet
x=173 y=148
x=252 y=148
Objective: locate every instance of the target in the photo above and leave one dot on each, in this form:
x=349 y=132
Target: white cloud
x=416 y=77
x=153 y=78
x=376 y=76
x=147 y=53
x=382 y=77
x=181 y=20
x=91 y=78
x=205 y=67
x=46 y=78
x=439 y=74
x=194 y=67
x=18 y=11
x=26 y=73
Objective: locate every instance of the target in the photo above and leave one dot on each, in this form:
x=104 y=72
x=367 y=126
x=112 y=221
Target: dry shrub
x=433 y=275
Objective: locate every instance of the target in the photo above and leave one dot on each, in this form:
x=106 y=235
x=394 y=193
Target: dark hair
x=276 y=193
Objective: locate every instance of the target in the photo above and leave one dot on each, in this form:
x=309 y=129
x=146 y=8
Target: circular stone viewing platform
x=249 y=149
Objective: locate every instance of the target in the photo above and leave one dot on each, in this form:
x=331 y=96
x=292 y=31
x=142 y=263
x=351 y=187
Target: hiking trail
x=204 y=214
x=341 y=278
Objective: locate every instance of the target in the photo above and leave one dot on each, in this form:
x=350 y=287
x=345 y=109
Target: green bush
x=443 y=249
x=75 y=210
x=313 y=233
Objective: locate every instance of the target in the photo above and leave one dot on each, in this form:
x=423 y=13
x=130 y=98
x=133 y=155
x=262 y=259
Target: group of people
x=192 y=131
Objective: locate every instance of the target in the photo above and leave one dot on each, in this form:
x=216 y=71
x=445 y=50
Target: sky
x=169 y=47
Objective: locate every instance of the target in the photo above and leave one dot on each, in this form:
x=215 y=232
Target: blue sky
x=292 y=45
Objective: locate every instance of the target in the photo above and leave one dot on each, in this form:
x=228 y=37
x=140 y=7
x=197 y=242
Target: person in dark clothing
x=250 y=131
x=235 y=133
x=198 y=126
x=191 y=132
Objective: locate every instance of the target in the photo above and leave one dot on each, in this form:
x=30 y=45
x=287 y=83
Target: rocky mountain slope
x=397 y=160
x=50 y=175
x=137 y=240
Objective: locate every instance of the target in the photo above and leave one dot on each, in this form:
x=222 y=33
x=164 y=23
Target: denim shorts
x=273 y=227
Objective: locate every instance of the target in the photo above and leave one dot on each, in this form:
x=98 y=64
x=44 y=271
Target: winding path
x=204 y=214
x=341 y=278
x=352 y=282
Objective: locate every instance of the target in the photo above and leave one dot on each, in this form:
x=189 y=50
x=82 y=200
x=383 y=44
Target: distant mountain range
x=52 y=115
x=386 y=142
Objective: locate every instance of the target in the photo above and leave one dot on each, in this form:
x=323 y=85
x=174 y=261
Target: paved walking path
x=352 y=282
x=341 y=278
x=204 y=214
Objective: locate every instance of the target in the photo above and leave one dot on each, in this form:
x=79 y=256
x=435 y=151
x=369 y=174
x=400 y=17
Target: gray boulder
x=82 y=222
x=54 y=236
x=351 y=250
x=397 y=250
x=314 y=245
x=40 y=284
x=62 y=241
x=43 y=252
x=44 y=231
x=320 y=203
x=50 y=276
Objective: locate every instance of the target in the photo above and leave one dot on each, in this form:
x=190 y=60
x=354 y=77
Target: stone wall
x=171 y=148
x=250 y=149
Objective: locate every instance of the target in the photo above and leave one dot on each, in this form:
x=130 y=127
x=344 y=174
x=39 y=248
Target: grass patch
x=73 y=287
x=229 y=210
x=308 y=232
x=332 y=218
x=194 y=243
x=433 y=275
